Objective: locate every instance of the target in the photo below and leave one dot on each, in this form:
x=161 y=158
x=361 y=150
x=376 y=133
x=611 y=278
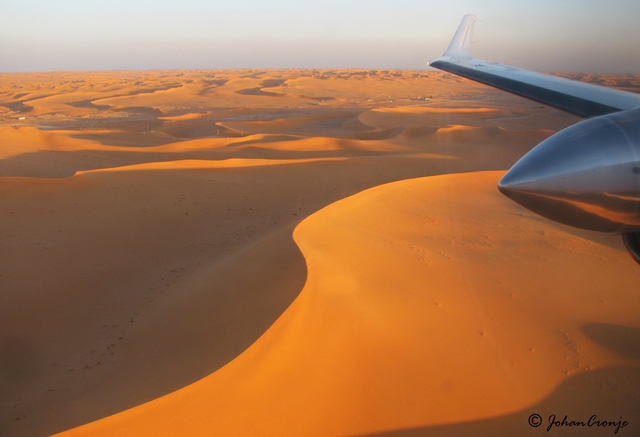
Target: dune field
x=297 y=253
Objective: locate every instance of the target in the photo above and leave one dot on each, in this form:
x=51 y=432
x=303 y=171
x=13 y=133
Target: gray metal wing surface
x=578 y=98
x=587 y=175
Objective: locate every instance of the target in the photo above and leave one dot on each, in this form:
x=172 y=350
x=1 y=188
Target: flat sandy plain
x=296 y=253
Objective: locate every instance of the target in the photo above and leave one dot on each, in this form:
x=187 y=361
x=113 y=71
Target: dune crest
x=204 y=164
x=27 y=139
x=430 y=110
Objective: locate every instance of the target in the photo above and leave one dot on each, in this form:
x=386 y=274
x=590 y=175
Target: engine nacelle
x=632 y=243
x=586 y=176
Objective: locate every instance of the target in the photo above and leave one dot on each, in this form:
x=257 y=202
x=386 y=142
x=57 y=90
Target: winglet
x=461 y=43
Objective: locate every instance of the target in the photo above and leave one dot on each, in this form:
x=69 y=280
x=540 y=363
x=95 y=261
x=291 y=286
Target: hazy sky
x=544 y=35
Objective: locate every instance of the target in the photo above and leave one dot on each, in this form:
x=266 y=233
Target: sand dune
x=418 y=132
x=202 y=164
x=294 y=144
x=27 y=139
x=289 y=123
x=427 y=315
x=478 y=134
x=147 y=262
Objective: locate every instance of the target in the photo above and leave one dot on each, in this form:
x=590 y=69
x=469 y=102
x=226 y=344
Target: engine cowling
x=632 y=243
x=586 y=176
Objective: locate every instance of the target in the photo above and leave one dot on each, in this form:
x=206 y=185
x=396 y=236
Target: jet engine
x=586 y=176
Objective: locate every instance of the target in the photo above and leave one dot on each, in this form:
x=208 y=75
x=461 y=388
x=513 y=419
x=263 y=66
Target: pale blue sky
x=544 y=35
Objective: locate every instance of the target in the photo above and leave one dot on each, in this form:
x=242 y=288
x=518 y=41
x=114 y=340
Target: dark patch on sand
x=88 y=104
x=257 y=92
x=17 y=106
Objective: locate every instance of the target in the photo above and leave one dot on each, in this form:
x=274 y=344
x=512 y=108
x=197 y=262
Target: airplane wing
x=587 y=175
x=577 y=98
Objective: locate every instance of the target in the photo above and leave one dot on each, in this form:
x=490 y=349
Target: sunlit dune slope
x=429 y=303
x=27 y=139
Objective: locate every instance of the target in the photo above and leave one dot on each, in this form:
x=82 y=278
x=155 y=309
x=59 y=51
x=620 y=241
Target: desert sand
x=296 y=252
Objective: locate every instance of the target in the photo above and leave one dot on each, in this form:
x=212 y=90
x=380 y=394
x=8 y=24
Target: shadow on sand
x=623 y=340
x=612 y=394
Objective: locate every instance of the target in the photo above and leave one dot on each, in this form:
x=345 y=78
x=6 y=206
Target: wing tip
x=460 y=46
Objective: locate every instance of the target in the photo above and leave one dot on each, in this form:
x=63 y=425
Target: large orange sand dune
x=421 y=310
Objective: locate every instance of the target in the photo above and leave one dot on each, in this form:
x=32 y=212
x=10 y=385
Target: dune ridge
x=202 y=164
